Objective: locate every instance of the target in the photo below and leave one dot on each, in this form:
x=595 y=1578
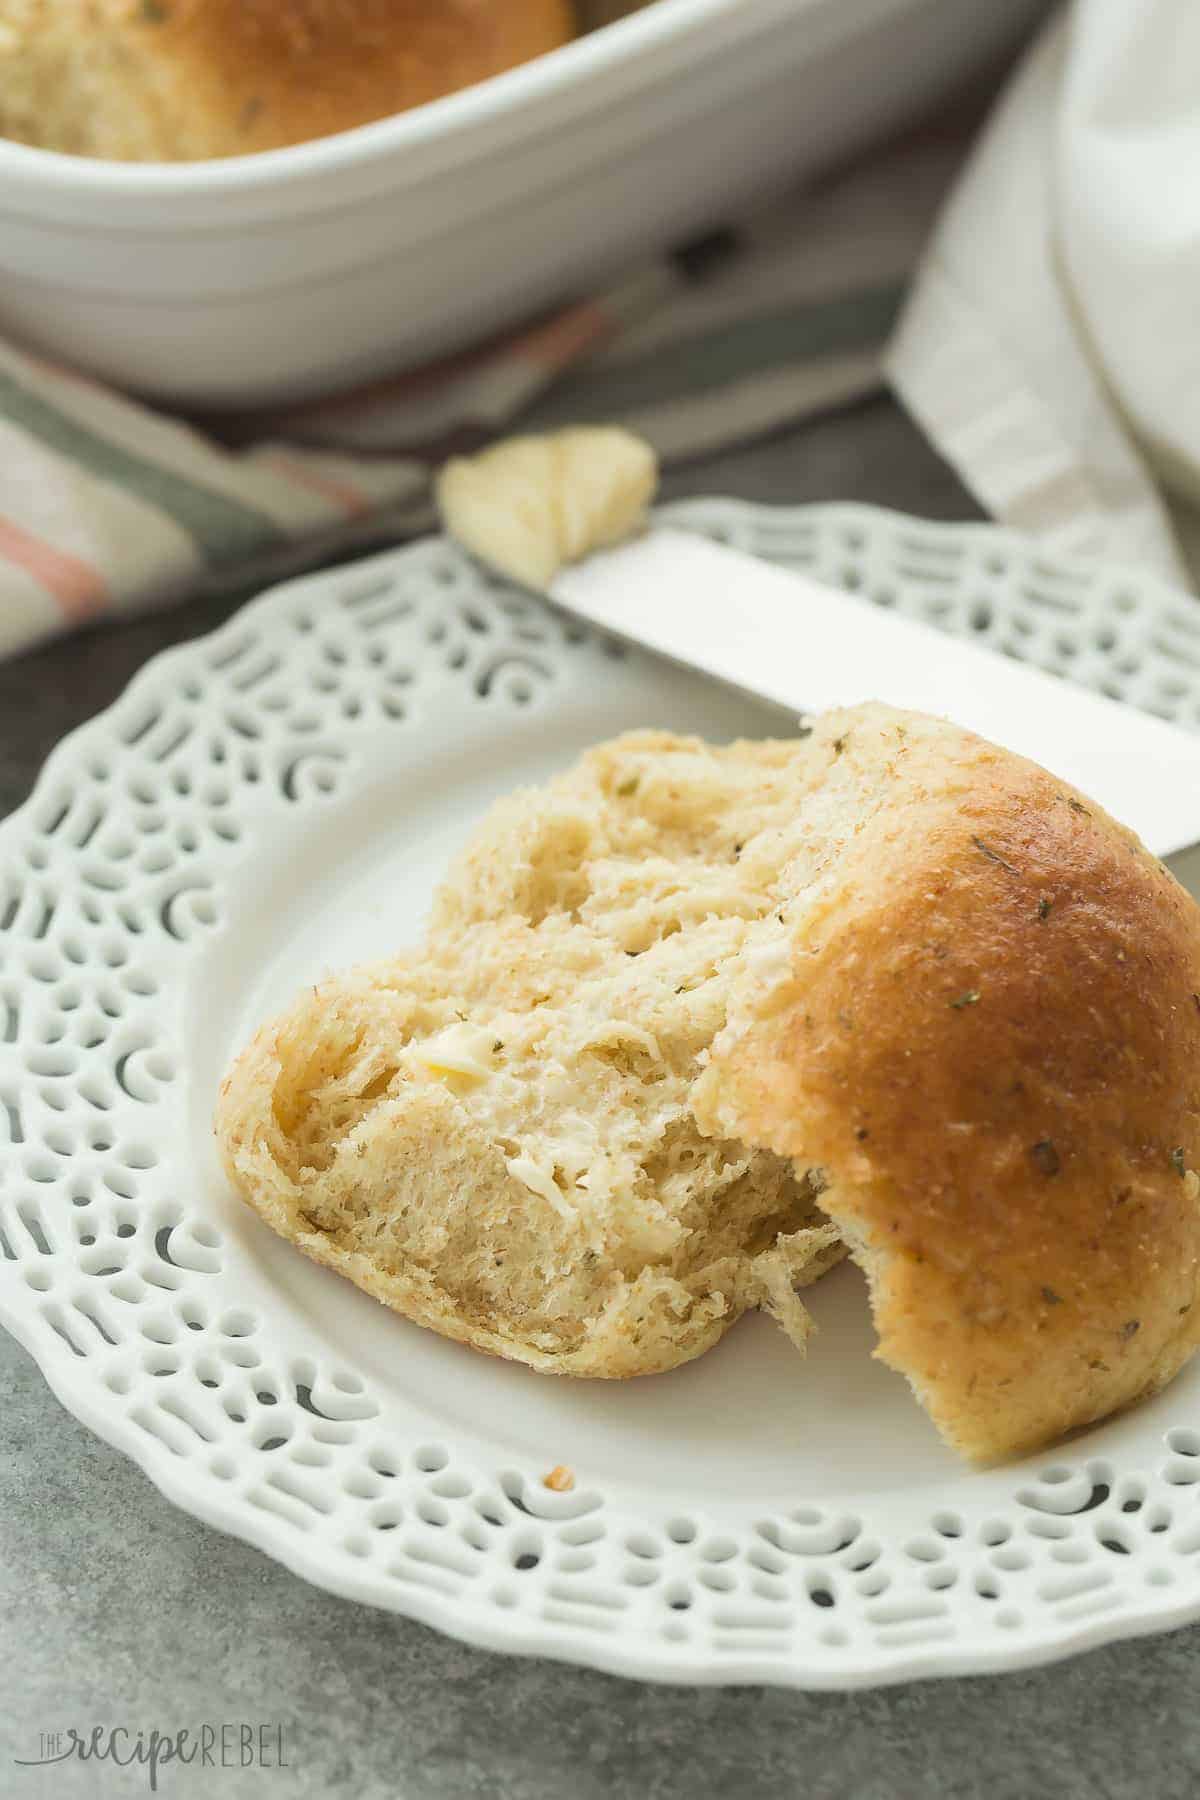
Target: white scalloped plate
x=278 y=800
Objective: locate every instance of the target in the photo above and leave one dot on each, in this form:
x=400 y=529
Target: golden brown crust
x=197 y=78
x=990 y=1041
x=298 y=69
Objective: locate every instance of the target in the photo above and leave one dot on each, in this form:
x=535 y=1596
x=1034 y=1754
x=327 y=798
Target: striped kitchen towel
x=108 y=507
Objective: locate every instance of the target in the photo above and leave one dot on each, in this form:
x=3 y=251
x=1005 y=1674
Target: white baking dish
x=281 y=275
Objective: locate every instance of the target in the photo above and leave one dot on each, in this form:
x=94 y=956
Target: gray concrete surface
x=117 y=1609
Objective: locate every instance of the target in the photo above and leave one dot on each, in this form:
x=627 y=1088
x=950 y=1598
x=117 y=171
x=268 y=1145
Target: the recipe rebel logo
x=231 y=1745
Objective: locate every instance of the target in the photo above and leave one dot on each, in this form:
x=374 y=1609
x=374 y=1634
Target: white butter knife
x=786 y=638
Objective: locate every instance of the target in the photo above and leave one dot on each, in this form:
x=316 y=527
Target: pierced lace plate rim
x=814 y=537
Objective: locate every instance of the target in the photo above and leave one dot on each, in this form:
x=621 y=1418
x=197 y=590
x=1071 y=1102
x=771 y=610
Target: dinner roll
x=689 y=1020
x=178 y=80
